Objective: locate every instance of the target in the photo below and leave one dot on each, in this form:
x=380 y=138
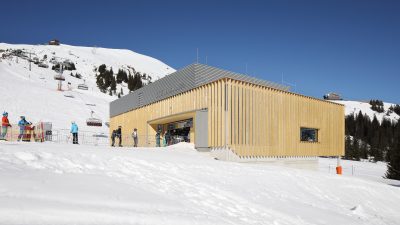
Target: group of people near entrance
x=165 y=141
x=23 y=125
x=118 y=134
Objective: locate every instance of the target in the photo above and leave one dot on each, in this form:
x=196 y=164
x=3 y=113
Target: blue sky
x=349 y=47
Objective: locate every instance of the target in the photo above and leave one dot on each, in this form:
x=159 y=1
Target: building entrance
x=179 y=131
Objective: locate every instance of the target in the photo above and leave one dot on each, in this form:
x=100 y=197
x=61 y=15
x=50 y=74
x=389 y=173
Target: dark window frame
x=310 y=138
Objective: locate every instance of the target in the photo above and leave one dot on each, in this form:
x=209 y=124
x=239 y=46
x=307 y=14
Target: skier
x=22 y=126
x=74 y=132
x=4 y=125
x=113 y=135
x=158 y=139
x=135 y=137
x=166 y=138
x=119 y=135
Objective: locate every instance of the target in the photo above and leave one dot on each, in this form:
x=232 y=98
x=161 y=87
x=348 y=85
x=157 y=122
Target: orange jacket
x=5 y=122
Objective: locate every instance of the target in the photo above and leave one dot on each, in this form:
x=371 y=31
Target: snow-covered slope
x=356 y=106
x=65 y=184
x=87 y=58
x=34 y=95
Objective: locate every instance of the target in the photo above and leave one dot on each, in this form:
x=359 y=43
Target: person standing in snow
x=135 y=137
x=158 y=139
x=118 y=134
x=113 y=135
x=167 y=136
x=22 y=126
x=4 y=125
x=74 y=132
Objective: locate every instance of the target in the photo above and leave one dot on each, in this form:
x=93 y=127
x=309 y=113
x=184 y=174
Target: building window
x=308 y=134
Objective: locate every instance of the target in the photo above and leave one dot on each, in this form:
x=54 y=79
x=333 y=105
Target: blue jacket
x=22 y=123
x=74 y=128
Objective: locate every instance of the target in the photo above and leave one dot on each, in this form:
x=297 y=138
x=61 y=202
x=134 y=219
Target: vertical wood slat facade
x=252 y=120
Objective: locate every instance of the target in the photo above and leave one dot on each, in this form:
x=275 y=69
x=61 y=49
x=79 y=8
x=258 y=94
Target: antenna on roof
x=246 y=69
x=197 y=59
x=290 y=84
x=206 y=60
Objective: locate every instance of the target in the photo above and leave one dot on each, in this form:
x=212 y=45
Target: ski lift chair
x=94 y=122
x=59 y=77
x=83 y=87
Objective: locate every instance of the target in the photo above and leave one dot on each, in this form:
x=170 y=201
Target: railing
x=64 y=136
x=144 y=141
x=37 y=134
x=57 y=136
x=84 y=137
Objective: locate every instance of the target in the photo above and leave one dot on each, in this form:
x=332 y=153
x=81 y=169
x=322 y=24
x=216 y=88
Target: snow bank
x=66 y=184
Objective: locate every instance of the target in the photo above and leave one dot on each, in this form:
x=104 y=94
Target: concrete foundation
x=226 y=154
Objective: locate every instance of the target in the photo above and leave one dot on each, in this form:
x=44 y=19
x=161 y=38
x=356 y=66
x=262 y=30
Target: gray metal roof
x=188 y=78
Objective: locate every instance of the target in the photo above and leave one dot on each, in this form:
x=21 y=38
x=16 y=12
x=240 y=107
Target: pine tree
x=124 y=77
x=119 y=76
x=113 y=86
x=111 y=71
x=393 y=166
x=364 y=151
x=374 y=139
x=137 y=81
x=131 y=85
x=359 y=126
x=107 y=79
x=396 y=109
x=100 y=83
x=348 y=148
x=350 y=126
x=102 y=68
x=356 y=150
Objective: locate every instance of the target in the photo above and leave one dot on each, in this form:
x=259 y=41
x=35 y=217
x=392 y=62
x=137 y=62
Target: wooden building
x=218 y=109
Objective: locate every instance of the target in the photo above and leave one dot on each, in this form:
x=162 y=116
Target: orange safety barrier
x=339 y=170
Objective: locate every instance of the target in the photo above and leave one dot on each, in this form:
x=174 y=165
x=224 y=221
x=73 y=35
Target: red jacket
x=5 y=122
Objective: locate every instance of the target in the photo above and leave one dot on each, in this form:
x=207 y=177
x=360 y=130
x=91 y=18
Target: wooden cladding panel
x=269 y=123
x=259 y=121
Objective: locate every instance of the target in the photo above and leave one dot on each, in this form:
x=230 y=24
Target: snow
x=49 y=183
x=52 y=183
x=374 y=171
x=33 y=93
x=356 y=106
x=86 y=58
